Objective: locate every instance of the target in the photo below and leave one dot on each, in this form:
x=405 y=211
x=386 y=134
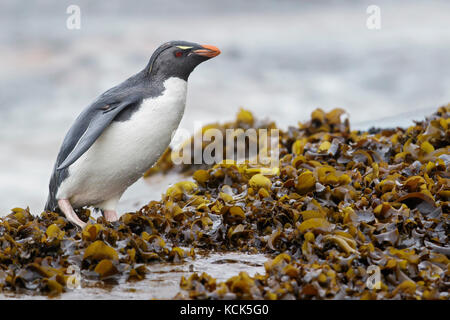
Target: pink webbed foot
x=67 y=209
x=110 y=215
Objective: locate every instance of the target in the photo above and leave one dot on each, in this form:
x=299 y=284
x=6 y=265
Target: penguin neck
x=173 y=97
x=169 y=107
x=163 y=72
x=156 y=78
x=162 y=94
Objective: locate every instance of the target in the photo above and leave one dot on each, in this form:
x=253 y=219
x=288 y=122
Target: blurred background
x=280 y=59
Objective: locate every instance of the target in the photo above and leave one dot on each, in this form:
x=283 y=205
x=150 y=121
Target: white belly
x=125 y=150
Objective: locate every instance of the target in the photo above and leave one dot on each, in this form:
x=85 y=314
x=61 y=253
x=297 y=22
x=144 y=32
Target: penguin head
x=179 y=59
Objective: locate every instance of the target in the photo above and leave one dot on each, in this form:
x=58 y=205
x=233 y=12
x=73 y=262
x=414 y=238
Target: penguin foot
x=110 y=215
x=67 y=209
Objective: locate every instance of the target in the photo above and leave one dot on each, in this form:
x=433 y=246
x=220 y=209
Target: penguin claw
x=79 y=224
x=76 y=221
x=71 y=216
x=110 y=215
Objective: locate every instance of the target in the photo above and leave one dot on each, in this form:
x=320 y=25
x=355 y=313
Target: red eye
x=178 y=54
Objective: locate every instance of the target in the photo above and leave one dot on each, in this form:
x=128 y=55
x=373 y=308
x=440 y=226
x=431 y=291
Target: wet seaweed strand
x=340 y=204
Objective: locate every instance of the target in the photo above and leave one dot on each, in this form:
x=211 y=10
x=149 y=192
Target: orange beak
x=208 y=51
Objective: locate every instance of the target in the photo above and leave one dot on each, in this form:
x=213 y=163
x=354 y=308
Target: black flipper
x=99 y=122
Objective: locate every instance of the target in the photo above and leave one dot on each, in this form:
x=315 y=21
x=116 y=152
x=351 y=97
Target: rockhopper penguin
x=123 y=132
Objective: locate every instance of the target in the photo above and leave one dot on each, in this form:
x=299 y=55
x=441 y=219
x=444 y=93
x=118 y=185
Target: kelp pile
x=347 y=214
x=343 y=204
x=244 y=121
x=48 y=255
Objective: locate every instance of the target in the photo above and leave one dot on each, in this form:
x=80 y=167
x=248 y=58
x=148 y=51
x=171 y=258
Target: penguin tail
x=52 y=203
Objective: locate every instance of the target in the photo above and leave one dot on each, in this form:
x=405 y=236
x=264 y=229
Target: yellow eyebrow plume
x=184 y=47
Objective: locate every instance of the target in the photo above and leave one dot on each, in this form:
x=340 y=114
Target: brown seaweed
x=340 y=203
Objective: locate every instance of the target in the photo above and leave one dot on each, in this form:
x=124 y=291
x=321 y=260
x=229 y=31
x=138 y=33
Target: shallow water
x=163 y=279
